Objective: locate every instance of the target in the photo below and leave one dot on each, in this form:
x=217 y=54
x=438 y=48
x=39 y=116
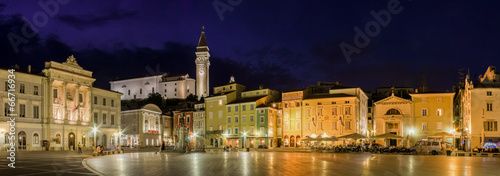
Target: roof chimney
x=29 y=68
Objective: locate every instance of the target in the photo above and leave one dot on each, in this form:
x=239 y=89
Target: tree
x=192 y=98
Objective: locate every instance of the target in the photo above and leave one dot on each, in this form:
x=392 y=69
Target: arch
x=152 y=107
x=22 y=140
x=292 y=141
x=71 y=141
x=58 y=138
x=36 y=138
x=298 y=140
x=211 y=141
x=393 y=111
x=104 y=140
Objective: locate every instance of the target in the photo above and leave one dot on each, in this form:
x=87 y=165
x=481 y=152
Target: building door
x=279 y=142
x=105 y=140
x=22 y=140
x=71 y=141
x=216 y=143
x=393 y=142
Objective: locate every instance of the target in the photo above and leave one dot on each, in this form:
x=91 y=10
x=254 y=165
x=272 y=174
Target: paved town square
x=289 y=163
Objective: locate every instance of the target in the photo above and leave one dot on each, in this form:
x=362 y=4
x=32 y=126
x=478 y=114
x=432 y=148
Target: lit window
x=424 y=112
x=488 y=93
x=439 y=112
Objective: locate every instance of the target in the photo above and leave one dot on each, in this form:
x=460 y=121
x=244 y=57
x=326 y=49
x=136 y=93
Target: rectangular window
x=279 y=121
x=104 y=101
x=489 y=106
x=128 y=92
x=211 y=104
x=228 y=119
x=6 y=108
x=251 y=130
x=243 y=118
x=229 y=109
x=96 y=118
x=36 y=112
x=424 y=125
x=244 y=107
x=54 y=93
x=140 y=91
x=262 y=131
x=286 y=125
x=236 y=109
x=346 y=102
x=307 y=112
x=279 y=131
x=80 y=98
x=490 y=126
x=297 y=125
x=439 y=125
x=112 y=119
x=439 y=112
x=297 y=114
x=220 y=127
x=320 y=111
x=347 y=110
x=439 y=100
x=261 y=119
x=236 y=131
x=334 y=125
x=236 y=120
x=211 y=115
x=35 y=90
x=220 y=114
x=489 y=93
x=22 y=110
x=104 y=119
x=112 y=103
x=424 y=112
x=348 y=125
x=334 y=111
x=95 y=100
x=21 y=89
x=251 y=118
x=252 y=107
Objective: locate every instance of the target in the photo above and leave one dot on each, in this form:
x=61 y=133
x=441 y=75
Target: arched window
x=211 y=141
x=58 y=138
x=393 y=112
x=36 y=139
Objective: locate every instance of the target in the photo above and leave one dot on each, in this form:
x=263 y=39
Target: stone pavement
x=285 y=163
x=45 y=163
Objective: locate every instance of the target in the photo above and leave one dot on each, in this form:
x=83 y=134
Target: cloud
x=85 y=21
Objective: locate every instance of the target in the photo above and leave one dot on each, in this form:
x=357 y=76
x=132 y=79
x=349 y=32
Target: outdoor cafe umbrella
x=353 y=136
x=387 y=136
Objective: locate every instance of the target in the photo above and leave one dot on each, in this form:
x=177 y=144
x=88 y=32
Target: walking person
x=79 y=148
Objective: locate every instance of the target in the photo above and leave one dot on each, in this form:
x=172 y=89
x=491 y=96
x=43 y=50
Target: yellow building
x=342 y=111
x=216 y=118
x=393 y=115
x=433 y=114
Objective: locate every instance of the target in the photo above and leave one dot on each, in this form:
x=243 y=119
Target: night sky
x=280 y=44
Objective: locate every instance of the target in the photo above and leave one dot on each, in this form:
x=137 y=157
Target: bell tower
x=202 y=66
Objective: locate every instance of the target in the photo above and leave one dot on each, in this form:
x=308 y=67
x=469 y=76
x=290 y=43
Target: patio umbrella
x=308 y=139
x=440 y=135
x=387 y=136
x=354 y=136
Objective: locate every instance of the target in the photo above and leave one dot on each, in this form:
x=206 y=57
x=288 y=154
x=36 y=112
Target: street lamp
x=95 y=141
x=120 y=141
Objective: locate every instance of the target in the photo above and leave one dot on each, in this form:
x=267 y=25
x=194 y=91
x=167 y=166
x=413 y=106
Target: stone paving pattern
x=288 y=163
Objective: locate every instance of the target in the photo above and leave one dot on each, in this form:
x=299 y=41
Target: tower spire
x=202 y=43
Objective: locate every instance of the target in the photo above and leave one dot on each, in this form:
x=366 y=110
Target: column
x=77 y=101
x=64 y=114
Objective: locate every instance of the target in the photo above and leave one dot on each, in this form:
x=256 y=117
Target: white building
x=481 y=110
x=169 y=86
x=55 y=108
x=142 y=127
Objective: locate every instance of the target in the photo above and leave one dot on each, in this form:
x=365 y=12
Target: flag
x=341 y=121
x=76 y=108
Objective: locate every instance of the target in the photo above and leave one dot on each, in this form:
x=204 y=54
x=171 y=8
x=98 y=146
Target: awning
x=353 y=136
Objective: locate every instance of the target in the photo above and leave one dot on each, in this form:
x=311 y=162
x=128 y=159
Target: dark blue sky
x=281 y=44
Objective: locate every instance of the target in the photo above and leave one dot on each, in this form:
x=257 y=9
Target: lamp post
x=120 y=141
x=95 y=141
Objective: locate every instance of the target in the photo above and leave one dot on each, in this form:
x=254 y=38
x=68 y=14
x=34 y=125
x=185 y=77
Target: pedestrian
x=79 y=148
x=97 y=151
